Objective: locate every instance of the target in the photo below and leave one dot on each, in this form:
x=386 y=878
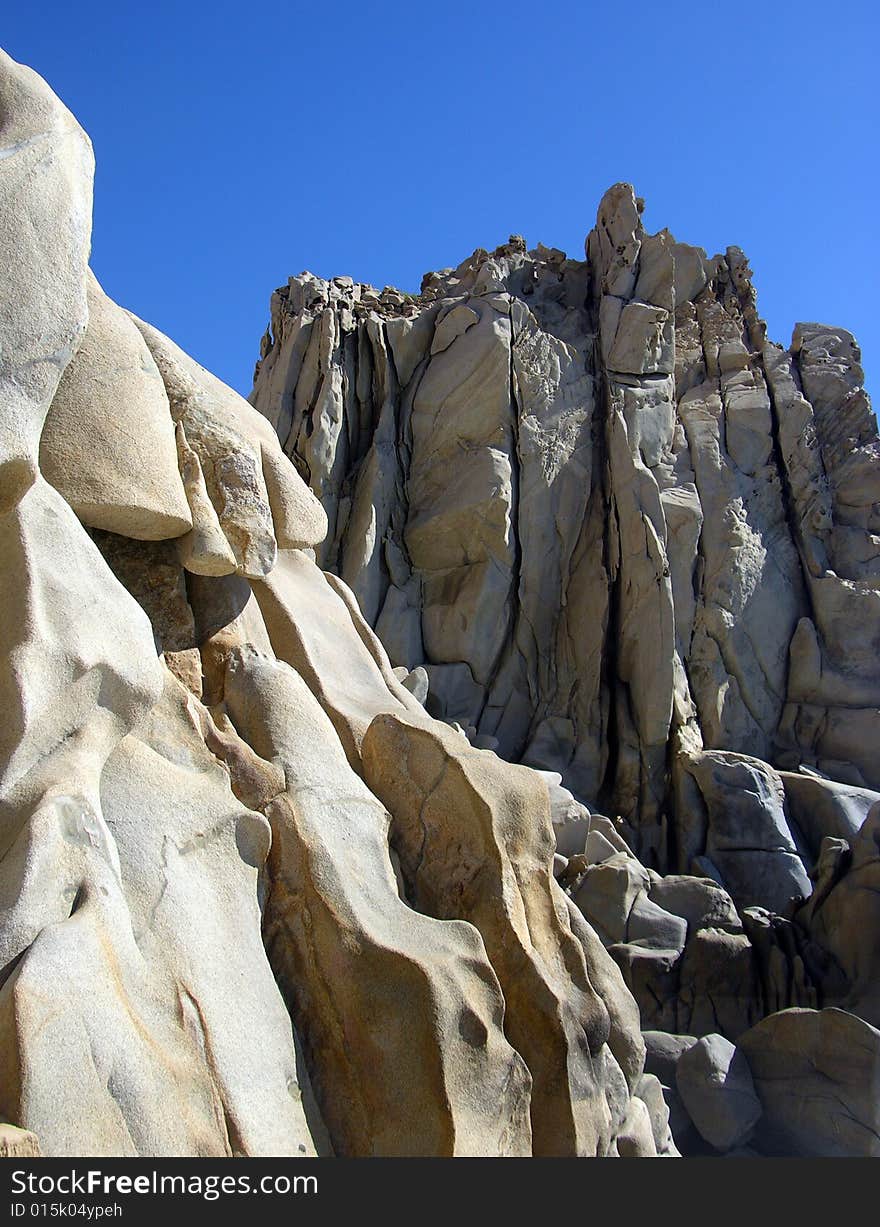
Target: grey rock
x=699 y=901
x=562 y=497
x=715 y=1084
x=663 y=1051
x=416 y=682
x=817 y=1074
x=651 y=925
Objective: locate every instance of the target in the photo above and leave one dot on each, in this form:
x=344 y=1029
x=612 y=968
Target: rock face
x=716 y=1087
x=608 y=530
x=315 y=709
x=219 y=936
x=629 y=540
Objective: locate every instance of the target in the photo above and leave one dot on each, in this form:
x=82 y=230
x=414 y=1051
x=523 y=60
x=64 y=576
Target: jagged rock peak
x=537 y=459
x=607 y=529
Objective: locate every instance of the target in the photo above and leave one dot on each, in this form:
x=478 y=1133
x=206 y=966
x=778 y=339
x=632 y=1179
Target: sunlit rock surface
x=466 y=748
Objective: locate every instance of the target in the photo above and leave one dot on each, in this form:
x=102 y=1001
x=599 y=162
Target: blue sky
x=239 y=143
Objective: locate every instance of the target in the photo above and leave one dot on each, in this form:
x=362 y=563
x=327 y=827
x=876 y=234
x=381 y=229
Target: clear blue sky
x=238 y=143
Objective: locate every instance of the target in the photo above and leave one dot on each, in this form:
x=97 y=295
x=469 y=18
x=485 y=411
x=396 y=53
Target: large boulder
x=749 y=838
x=817 y=1075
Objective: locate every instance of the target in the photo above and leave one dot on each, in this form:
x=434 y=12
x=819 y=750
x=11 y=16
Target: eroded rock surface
x=212 y=939
x=382 y=758
x=632 y=544
x=615 y=525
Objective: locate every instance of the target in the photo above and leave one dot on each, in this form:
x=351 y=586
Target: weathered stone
x=607 y=893
x=607 y=532
x=816 y=1073
x=699 y=901
x=491 y=824
x=844 y=917
x=636 y=1138
x=651 y=1094
x=687 y=530
x=719 y=986
x=663 y=1051
x=715 y=1084
x=203 y=550
x=821 y=806
x=112 y=390
x=423 y=988
x=749 y=837
x=18 y=1143
x=46 y=200
x=651 y=925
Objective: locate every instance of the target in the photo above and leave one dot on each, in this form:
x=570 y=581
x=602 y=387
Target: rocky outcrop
x=617 y=527
x=219 y=936
x=464 y=749
x=605 y=528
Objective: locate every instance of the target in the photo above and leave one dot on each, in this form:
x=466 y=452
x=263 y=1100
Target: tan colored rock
x=624 y=1041
x=46 y=203
x=230 y=461
x=123 y=1056
x=203 y=550
x=314 y=628
x=151 y=573
x=257 y=494
x=636 y=1138
x=18 y=1143
x=192 y=894
x=473 y=846
x=622 y=539
x=300 y=520
x=112 y=391
x=413 y=1000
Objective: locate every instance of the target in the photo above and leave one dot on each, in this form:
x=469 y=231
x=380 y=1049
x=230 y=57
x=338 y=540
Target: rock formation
x=607 y=529
x=209 y=945
x=314 y=705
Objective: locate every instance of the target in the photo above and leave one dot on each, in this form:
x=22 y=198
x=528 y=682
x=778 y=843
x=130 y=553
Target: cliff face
x=615 y=524
x=607 y=529
x=207 y=945
x=256 y=899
